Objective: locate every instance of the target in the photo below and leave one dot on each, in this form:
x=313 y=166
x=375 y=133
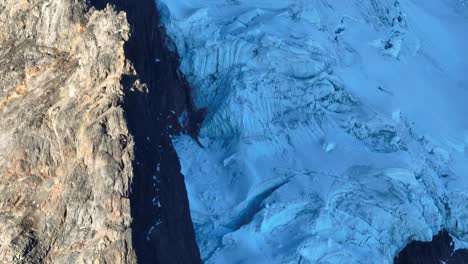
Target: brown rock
x=79 y=96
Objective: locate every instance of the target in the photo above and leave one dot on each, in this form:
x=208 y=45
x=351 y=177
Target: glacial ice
x=337 y=130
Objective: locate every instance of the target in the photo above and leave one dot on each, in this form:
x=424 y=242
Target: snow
x=151 y=230
x=336 y=130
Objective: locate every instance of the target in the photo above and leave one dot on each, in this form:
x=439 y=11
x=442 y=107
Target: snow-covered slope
x=337 y=130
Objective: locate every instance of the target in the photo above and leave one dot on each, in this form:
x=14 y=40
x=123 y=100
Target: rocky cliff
x=89 y=97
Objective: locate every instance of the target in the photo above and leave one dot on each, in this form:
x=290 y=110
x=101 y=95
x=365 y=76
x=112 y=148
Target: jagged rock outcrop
x=87 y=92
x=440 y=250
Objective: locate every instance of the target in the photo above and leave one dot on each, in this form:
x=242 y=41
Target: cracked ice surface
x=337 y=130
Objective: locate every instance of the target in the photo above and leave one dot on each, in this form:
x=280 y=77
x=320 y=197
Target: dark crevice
x=439 y=250
x=252 y=206
x=162 y=230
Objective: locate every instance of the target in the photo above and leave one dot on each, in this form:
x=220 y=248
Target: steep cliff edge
x=87 y=170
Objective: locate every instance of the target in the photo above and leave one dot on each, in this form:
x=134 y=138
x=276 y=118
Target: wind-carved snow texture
x=337 y=130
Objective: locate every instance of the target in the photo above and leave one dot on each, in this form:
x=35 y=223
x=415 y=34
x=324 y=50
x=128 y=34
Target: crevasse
x=336 y=129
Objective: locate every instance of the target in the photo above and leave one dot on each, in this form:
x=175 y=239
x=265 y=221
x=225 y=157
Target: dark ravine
x=439 y=250
x=153 y=119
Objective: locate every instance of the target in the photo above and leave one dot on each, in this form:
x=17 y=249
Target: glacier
x=337 y=131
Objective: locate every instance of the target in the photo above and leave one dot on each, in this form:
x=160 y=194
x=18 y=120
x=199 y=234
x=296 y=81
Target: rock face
x=87 y=170
x=440 y=250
